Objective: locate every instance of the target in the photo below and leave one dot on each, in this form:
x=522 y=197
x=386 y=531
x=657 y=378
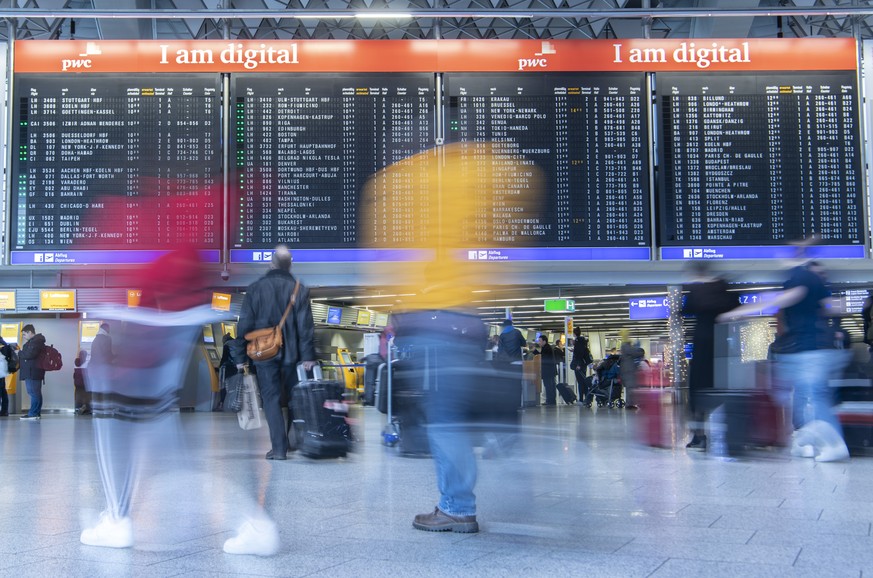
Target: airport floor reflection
x=579 y=497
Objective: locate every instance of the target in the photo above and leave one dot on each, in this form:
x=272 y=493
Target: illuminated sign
x=57 y=300
x=559 y=305
x=88 y=330
x=221 y=301
x=7 y=300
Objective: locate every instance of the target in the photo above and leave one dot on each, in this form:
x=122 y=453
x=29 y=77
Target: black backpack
x=49 y=359
x=12 y=362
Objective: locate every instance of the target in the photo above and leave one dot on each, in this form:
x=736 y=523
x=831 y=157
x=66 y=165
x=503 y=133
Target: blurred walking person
x=805 y=357
x=134 y=393
x=707 y=298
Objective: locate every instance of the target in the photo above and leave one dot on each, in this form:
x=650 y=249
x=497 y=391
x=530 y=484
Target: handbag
x=249 y=416
x=265 y=344
x=235 y=388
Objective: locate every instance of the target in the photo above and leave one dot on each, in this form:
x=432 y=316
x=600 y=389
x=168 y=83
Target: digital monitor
x=115 y=168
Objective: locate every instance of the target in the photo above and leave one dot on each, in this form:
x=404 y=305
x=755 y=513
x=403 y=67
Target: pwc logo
x=539 y=61
x=84 y=61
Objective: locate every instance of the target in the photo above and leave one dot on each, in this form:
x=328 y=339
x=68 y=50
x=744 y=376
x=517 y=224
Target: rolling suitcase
x=566 y=393
x=320 y=416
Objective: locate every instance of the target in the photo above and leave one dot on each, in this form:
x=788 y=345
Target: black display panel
x=113 y=169
x=304 y=146
x=759 y=159
x=588 y=134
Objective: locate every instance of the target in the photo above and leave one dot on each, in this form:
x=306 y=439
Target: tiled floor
x=579 y=498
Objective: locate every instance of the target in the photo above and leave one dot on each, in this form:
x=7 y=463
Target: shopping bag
x=233 y=400
x=250 y=415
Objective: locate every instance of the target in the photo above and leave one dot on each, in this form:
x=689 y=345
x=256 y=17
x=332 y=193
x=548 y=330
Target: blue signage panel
x=333 y=255
x=762 y=252
x=52 y=258
x=757 y=298
x=560 y=254
x=334 y=315
x=649 y=308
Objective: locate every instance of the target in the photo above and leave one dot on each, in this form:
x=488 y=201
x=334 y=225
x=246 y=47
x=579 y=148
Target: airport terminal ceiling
x=540 y=19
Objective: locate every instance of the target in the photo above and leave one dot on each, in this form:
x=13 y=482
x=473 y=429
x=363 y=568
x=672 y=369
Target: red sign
x=618 y=55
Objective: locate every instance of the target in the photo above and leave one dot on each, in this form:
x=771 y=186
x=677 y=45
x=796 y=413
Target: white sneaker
x=29 y=418
x=834 y=453
x=109 y=533
x=803 y=451
x=257 y=537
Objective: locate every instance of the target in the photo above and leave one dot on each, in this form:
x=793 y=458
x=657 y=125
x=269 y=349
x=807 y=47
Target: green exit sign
x=560 y=305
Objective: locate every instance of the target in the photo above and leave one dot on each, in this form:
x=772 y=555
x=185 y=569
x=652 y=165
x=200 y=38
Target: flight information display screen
x=587 y=132
x=751 y=162
x=115 y=169
x=303 y=147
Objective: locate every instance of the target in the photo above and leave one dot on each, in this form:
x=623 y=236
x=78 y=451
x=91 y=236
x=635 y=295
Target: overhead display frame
x=109 y=169
x=587 y=132
x=750 y=163
x=455 y=60
x=303 y=147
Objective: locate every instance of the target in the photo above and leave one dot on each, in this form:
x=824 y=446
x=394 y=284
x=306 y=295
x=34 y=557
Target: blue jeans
x=34 y=390
x=808 y=372
x=452 y=448
x=445 y=361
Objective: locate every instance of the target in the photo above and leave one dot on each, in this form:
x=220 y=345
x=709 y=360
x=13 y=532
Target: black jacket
x=547 y=361
x=264 y=304
x=509 y=346
x=28 y=357
x=581 y=354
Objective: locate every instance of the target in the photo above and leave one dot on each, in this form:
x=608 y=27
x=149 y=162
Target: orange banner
x=618 y=55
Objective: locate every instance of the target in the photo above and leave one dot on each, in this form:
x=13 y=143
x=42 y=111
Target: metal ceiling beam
x=405 y=14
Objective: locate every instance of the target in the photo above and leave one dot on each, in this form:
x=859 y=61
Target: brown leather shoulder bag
x=265 y=344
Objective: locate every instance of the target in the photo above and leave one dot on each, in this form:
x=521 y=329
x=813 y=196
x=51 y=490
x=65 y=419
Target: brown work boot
x=439 y=521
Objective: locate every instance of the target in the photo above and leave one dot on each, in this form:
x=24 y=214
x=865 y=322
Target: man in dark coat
x=265 y=302
x=30 y=372
x=547 y=370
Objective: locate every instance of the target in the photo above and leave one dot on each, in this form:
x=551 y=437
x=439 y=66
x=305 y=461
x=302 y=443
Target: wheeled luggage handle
x=316 y=372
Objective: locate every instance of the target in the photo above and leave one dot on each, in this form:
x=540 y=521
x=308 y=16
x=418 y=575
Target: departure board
x=305 y=145
x=759 y=159
x=587 y=132
x=114 y=169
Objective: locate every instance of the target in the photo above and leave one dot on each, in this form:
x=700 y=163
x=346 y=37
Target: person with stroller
x=604 y=385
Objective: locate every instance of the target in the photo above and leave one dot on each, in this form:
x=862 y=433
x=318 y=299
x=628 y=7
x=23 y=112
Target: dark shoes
x=697 y=443
x=272 y=456
x=439 y=521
